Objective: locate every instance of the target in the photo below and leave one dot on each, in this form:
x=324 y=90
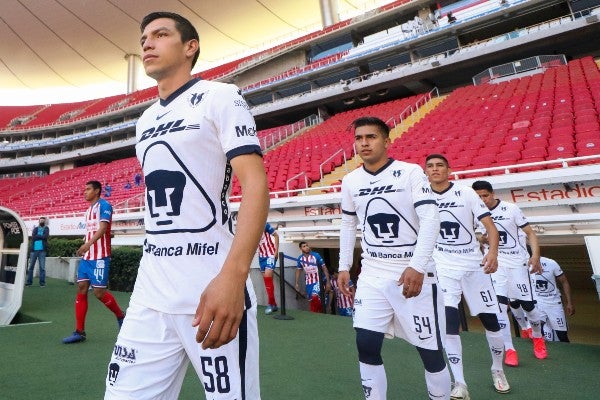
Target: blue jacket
x=43 y=237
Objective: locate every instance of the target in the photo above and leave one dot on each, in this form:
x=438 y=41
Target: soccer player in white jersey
x=268 y=249
x=511 y=280
x=193 y=300
x=464 y=270
x=549 y=299
x=397 y=293
x=94 y=266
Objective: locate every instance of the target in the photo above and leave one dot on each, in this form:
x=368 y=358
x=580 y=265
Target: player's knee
x=528 y=305
x=433 y=360
x=489 y=322
x=99 y=293
x=452 y=322
x=562 y=336
x=369 y=345
x=502 y=300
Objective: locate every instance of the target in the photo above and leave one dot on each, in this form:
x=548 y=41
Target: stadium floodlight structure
x=13 y=263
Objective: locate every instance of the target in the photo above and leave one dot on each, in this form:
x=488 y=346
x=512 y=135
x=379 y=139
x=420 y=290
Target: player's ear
x=192 y=47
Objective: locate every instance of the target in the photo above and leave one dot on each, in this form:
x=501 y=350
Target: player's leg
x=520 y=289
x=450 y=282
x=562 y=336
x=81 y=302
x=519 y=314
x=420 y=321
x=481 y=298
x=267 y=265
x=99 y=281
x=556 y=321
x=500 y=284
x=313 y=292
x=148 y=360
x=372 y=318
x=372 y=371
x=437 y=376
x=231 y=371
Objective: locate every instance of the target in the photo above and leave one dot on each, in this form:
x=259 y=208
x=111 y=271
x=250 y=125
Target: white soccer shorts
x=476 y=286
x=553 y=315
x=513 y=282
x=380 y=306
x=153 y=351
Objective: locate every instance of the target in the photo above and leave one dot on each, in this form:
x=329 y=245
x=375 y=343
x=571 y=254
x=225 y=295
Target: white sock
x=534 y=320
x=496 y=348
x=505 y=327
x=438 y=384
x=519 y=315
x=374 y=381
x=454 y=353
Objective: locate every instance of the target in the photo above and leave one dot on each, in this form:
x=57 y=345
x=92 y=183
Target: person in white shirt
x=193 y=300
x=549 y=299
x=511 y=280
x=397 y=292
x=464 y=271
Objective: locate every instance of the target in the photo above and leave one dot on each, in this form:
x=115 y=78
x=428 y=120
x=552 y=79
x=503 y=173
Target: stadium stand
x=534 y=118
x=320 y=149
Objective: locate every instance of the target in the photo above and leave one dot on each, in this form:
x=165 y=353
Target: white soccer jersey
x=546 y=289
x=512 y=248
x=384 y=204
x=184 y=144
x=457 y=246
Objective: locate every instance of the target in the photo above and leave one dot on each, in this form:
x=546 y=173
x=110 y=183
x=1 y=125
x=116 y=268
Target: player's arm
x=429 y=229
x=276 y=240
x=347 y=242
x=566 y=288
x=99 y=233
x=534 y=260
x=490 y=259
x=297 y=276
x=221 y=305
x=327 y=277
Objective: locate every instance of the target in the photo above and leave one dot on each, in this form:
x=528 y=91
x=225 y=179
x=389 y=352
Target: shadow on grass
x=21 y=318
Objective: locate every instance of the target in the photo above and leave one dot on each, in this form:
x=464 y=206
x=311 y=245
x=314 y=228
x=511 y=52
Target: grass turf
x=312 y=356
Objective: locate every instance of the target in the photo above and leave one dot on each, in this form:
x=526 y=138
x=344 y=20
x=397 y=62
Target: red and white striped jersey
x=266 y=246
x=98 y=212
x=343 y=301
x=311 y=263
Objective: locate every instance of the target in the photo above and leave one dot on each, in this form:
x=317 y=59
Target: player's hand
x=220 y=311
x=570 y=309
x=483 y=238
x=489 y=263
x=535 y=267
x=411 y=282
x=83 y=249
x=344 y=282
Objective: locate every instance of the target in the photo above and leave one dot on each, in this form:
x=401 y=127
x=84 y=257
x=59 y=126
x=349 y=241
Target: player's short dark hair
x=482 y=185
x=301 y=244
x=441 y=157
x=95 y=185
x=183 y=26
x=372 y=121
